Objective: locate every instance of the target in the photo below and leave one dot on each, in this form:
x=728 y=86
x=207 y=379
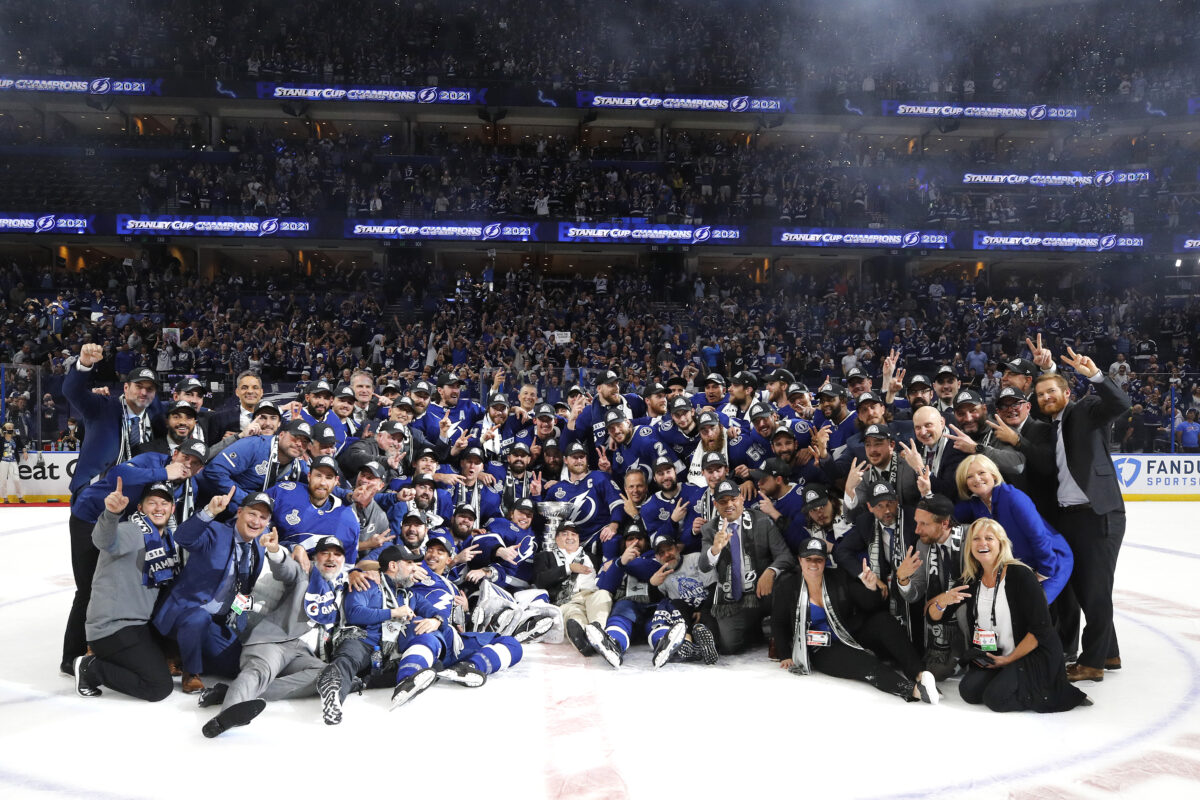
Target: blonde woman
x=1034 y=542
x=1016 y=657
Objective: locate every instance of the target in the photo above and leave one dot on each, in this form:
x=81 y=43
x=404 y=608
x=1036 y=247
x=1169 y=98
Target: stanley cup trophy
x=555 y=513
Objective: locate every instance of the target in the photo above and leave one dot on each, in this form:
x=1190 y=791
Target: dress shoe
x=233 y=717
x=191 y=683
x=1078 y=672
x=174 y=666
x=1112 y=663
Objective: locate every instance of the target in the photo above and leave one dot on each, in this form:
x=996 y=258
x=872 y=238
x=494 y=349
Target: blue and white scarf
x=161 y=562
x=321 y=599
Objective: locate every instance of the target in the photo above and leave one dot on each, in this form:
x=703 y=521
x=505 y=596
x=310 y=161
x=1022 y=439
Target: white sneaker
x=927 y=687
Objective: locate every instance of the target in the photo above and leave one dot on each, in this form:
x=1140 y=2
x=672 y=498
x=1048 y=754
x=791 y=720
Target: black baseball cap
x=758 y=411
x=544 y=410
x=676 y=380
x=329 y=543
x=422 y=387
x=474 y=451
x=813 y=546
x=299 y=427
x=189 y=384
x=391 y=428
x=193 y=447
x=678 y=404
x=142 y=374
x=1021 y=366
x=403 y=401
x=713 y=460
x=868 y=397
x=424 y=477
x=831 y=389
x=323 y=434
x=390 y=386
x=653 y=388
x=465 y=509
x=375 y=468
x=259 y=499
x=326 y=462
x=498 y=399
x=608 y=376
x=745 y=378
x=783 y=429
x=266 y=406
x=726 y=489
x=448 y=379
x=615 y=416
x=576 y=447
x=663 y=461
x=794 y=389
x=345 y=392
x=519 y=447
x=394 y=553
x=160 y=489
x=968 y=397
x=575 y=389
x=524 y=504
x=714 y=377
x=181 y=407
x=878 y=431
x=1009 y=393
x=426 y=452
x=880 y=492
x=318 y=387
x=943 y=371
x=772 y=468
x=782 y=375
x=920 y=380
x=708 y=418
x=856 y=374
x=415 y=513
x=815 y=496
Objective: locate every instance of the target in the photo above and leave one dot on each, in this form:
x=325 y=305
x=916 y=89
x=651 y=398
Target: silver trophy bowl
x=555 y=513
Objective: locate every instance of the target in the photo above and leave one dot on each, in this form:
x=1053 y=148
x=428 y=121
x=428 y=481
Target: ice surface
x=559 y=726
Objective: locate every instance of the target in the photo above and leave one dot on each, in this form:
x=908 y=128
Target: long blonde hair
x=967 y=464
x=972 y=569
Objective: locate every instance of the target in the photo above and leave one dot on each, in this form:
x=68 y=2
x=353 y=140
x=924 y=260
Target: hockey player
x=471 y=490
x=636 y=607
x=307 y=512
x=672 y=512
x=587 y=423
x=597 y=502
x=630 y=447
x=257 y=463
x=689 y=591
x=831 y=398
x=782 y=501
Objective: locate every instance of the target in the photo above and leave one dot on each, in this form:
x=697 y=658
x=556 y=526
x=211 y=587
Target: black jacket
x=852 y=603
x=1085 y=426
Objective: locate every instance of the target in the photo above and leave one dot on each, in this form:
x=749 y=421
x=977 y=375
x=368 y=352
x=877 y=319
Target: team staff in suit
x=1015 y=425
x=115 y=425
x=748 y=552
x=1091 y=511
x=181 y=425
x=248 y=390
x=208 y=602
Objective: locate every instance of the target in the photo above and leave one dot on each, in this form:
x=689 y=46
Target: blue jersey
x=590 y=427
x=463 y=416
x=301 y=523
x=504 y=437
x=656 y=515
x=485 y=500
x=246 y=466
x=841 y=431
x=640 y=452
x=333 y=421
x=789 y=505
x=367 y=610
x=596 y=501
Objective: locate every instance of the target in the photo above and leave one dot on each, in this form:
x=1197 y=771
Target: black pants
x=884 y=636
x=131 y=662
x=995 y=688
x=84 y=556
x=744 y=629
x=1095 y=541
x=352 y=657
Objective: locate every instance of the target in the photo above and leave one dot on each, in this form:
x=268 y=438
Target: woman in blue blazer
x=1033 y=540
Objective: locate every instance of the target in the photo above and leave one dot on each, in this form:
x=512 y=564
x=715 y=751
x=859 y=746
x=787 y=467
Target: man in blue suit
x=210 y=598
x=115 y=426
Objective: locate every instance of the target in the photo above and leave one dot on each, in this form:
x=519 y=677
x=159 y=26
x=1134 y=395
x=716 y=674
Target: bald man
x=932 y=450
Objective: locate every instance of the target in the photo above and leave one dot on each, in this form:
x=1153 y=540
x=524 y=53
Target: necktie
x=1056 y=425
x=243 y=565
x=736 y=567
x=135 y=432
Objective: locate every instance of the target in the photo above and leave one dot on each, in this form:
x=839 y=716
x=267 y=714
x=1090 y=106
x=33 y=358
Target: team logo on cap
x=882 y=488
x=293 y=517
x=963 y=397
x=811 y=495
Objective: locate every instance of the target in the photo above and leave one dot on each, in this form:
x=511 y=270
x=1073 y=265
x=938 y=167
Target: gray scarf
x=800 y=664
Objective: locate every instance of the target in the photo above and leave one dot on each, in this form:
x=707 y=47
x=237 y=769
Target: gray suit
x=275 y=664
x=739 y=622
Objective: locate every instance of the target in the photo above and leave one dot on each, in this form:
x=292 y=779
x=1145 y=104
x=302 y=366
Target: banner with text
x=1100 y=178
x=90 y=86
x=441 y=230
x=1059 y=242
x=685 y=102
x=1158 y=476
x=202 y=225
x=426 y=95
x=1034 y=113
x=837 y=237
x=47 y=476
x=47 y=223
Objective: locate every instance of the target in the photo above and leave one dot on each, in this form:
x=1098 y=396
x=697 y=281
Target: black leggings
x=995 y=688
x=84 y=556
x=883 y=635
x=132 y=662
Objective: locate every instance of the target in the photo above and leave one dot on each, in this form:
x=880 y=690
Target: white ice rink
x=557 y=726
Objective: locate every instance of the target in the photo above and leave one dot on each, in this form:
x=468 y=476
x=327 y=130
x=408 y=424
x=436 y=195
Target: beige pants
x=10 y=474
x=590 y=606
